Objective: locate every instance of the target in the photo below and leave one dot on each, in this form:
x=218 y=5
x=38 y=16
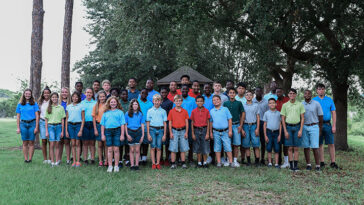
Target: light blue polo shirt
x=113 y=118
x=188 y=104
x=208 y=102
x=27 y=111
x=74 y=113
x=270 y=95
x=327 y=105
x=312 y=111
x=220 y=117
x=144 y=107
x=88 y=106
x=156 y=116
x=251 y=112
x=273 y=119
x=134 y=122
x=242 y=100
x=262 y=106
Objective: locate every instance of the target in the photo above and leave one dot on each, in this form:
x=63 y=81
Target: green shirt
x=292 y=111
x=236 y=108
x=57 y=114
x=125 y=106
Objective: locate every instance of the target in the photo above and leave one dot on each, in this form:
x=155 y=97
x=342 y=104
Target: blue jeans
x=273 y=141
x=157 y=135
x=250 y=138
x=310 y=136
x=88 y=131
x=73 y=131
x=113 y=137
x=179 y=142
x=236 y=135
x=42 y=129
x=54 y=132
x=292 y=140
x=327 y=134
x=222 y=139
x=27 y=131
x=98 y=127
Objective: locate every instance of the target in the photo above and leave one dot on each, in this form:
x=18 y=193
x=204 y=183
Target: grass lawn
x=37 y=183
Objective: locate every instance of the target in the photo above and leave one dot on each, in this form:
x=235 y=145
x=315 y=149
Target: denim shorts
x=273 y=141
x=236 y=135
x=310 y=136
x=292 y=140
x=88 y=131
x=42 y=129
x=250 y=138
x=98 y=127
x=27 y=131
x=327 y=134
x=145 y=140
x=179 y=142
x=54 y=132
x=135 y=135
x=113 y=137
x=200 y=145
x=157 y=135
x=73 y=131
x=222 y=139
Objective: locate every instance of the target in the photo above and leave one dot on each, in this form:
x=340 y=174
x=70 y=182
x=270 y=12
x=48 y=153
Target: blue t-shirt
x=83 y=96
x=113 y=119
x=134 y=122
x=144 y=107
x=88 y=106
x=273 y=119
x=156 y=116
x=220 y=117
x=151 y=94
x=27 y=111
x=188 y=104
x=133 y=95
x=208 y=102
x=327 y=105
x=74 y=112
x=64 y=105
x=270 y=95
x=251 y=112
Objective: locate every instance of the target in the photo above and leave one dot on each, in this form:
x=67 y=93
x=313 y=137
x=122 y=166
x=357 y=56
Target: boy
x=221 y=130
x=281 y=99
x=241 y=88
x=272 y=131
x=178 y=129
x=145 y=105
x=125 y=105
x=79 y=88
x=229 y=84
x=106 y=85
x=185 y=80
x=250 y=129
x=200 y=125
x=207 y=96
x=292 y=119
x=238 y=115
x=150 y=88
x=195 y=89
x=167 y=105
x=172 y=90
x=96 y=87
x=133 y=93
x=217 y=91
x=156 y=129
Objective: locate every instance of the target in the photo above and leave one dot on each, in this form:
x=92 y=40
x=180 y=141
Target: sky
x=15 y=38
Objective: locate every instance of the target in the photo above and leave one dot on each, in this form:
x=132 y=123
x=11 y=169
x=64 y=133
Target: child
x=156 y=129
x=250 y=129
x=43 y=103
x=97 y=113
x=54 y=127
x=27 y=119
x=74 y=122
x=106 y=85
x=272 y=131
x=178 y=129
x=145 y=105
x=218 y=91
x=115 y=92
x=221 y=130
x=96 y=87
x=65 y=141
x=236 y=109
x=167 y=105
x=88 y=136
x=200 y=125
x=79 y=88
x=125 y=105
x=195 y=89
x=134 y=129
x=112 y=130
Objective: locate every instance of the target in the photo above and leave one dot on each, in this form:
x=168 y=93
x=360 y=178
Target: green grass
x=37 y=183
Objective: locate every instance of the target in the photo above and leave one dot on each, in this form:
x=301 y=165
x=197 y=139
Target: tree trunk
x=66 y=50
x=340 y=93
x=36 y=48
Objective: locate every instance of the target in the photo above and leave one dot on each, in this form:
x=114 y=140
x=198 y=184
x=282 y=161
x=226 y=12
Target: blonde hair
x=178 y=97
x=105 y=81
x=98 y=101
x=157 y=97
x=68 y=96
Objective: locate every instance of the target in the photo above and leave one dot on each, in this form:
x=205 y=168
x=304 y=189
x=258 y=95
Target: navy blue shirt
x=167 y=105
x=133 y=95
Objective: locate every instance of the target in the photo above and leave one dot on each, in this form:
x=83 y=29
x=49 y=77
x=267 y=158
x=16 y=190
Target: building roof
x=185 y=70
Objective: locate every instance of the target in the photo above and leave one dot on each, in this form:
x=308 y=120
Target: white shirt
x=43 y=109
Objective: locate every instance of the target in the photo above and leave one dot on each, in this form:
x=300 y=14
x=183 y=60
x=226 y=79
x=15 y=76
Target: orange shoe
x=158 y=166
x=74 y=164
x=78 y=164
x=154 y=166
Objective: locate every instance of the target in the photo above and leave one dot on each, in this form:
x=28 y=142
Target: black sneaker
x=120 y=165
x=25 y=161
x=292 y=168
x=262 y=162
x=277 y=166
x=132 y=168
x=248 y=164
x=86 y=162
x=308 y=168
x=322 y=164
x=318 y=169
x=199 y=166
x=243 y=162
x=81 y=160
x=257 y=164
x=92 y=161
x=334 y=165
x=205 y=166
x=127 y=164
x=296 y=169
x=30 y=161
x=143 y=163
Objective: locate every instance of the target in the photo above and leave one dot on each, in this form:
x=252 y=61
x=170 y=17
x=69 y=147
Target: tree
x=66 y=49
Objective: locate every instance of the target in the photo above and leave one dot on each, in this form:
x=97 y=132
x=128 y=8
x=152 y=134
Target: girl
x=27 y=119
x=54 y=127
x=74 y=122
x=88 y=137
x=97 y=113
x=43 y=103
x=65 y=100
x=112 y=130
x=134 y=123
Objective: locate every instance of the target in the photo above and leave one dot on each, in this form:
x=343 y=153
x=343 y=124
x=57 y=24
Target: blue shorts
x=88 y=131
x=222 y=139
x=327 y=134
x=292 y=140
x=157 y=135
x=273 y=141
x=201 y=145
x=179 y=142
x=236 y=135
x=42 y=129
x=54 y=132
x=113 y=137
x=98 y=127
x=250 y=138
x=73 y=131
x=310 y=136
x=136 y=135
x=27 y=131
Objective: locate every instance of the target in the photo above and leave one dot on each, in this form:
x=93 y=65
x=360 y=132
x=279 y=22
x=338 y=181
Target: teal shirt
x=74 y=112
x=88 y=106
x=236 y=108
x=144 y=107
x=156 y=116
x=113 y=119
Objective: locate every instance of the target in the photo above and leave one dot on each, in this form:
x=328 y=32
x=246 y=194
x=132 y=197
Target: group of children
x=184 y=120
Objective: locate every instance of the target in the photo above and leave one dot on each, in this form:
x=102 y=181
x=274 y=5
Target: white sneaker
x=109 y=169
x=45 y=162
x=285 y=165
x=236 y=164
x=223 y=160
x=53 y=164
x=49 y=161
x=58 y=162
x=209 y=160
x=226 y=163
x=116 y=169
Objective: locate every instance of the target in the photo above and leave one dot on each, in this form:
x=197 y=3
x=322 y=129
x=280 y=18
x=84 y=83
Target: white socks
x=235 y=159
x=286 y=159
